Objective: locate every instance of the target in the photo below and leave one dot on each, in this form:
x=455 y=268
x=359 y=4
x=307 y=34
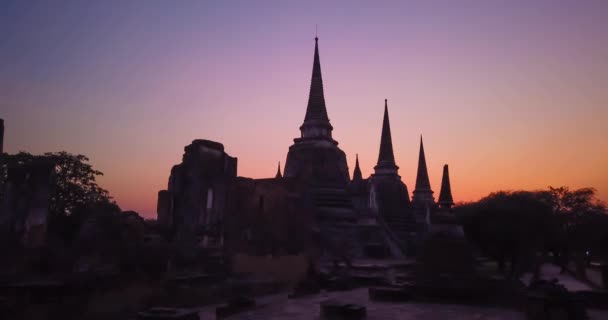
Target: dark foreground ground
x=306 y=308
x=127 y=300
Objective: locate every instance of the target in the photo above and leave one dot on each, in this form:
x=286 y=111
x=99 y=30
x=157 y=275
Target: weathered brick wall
x=267 y=217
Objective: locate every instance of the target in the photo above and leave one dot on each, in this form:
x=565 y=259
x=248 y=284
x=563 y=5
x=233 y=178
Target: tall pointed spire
x=316 y=99
x=386 y=158
x=422 y=177
x=357 y=176
x=279 y=175
x=423 y=195
x=316 y=123
x=445 y=195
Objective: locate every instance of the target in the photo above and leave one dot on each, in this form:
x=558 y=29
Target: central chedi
x=316 y=163
x=314 y=157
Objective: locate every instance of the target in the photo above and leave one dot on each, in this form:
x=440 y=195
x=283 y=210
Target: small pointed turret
x=445 y=195
x=386 y=158
x=423 y=195
x=316 y=123
x=279 y=175
x=357 y=176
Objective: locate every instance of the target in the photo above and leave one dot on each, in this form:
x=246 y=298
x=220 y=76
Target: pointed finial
x=279 y=175
x=422 y=192
x=316 y=110
x=445 y=195
x=357 y=176
x=386 y=144
x=421 y=145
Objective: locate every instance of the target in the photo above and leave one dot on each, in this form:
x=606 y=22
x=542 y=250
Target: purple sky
x=511 y=94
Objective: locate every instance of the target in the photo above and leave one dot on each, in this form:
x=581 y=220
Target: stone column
x=14 y=201
x=1 y=136
x=40 y=183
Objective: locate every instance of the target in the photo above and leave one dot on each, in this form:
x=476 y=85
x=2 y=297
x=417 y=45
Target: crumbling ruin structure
x=25 y=204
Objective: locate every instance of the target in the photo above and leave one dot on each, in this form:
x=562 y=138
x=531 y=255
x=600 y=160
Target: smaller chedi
x=444 y=250
x=312 y=207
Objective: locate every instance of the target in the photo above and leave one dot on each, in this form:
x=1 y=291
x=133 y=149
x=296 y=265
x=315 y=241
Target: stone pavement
x=275 y=307
x=280 y=307
x=307 y=308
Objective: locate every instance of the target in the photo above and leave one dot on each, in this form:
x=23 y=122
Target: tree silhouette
x=75 y=184
x=513 y=226
x=583 y=221
x=509 y=226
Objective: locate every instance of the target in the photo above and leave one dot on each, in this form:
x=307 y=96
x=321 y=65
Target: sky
x=511 y=94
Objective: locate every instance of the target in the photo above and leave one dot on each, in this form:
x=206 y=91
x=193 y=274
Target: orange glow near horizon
x=511 y=96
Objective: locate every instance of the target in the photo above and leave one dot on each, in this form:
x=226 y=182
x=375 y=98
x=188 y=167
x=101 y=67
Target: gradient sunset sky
x=511 y=94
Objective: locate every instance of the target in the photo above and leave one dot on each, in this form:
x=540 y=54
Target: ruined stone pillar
x=1 y=137
x=41 y=178
x=14 y=201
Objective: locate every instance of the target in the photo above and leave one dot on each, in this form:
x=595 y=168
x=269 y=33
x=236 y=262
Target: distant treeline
x=514 y=227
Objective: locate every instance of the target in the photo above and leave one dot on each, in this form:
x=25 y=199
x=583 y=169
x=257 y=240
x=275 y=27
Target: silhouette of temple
x=312 y=207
